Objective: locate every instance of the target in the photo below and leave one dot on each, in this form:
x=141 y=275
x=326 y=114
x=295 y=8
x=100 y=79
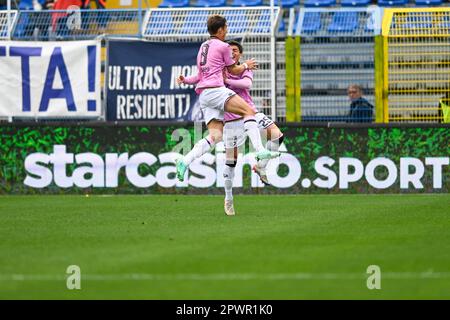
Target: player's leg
x=212 y=102
x=234 y=139
x=238 y=106
x=228 y=175
x=215 y=128
x=274 y=139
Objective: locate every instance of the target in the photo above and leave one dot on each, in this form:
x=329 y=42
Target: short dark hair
x=215 y=22
x=237 y=44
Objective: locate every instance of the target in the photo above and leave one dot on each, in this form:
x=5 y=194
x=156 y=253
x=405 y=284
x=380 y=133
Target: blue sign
x=141 y=81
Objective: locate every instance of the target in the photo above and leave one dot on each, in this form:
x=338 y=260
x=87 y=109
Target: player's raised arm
x=188 y=80
x=244 y=83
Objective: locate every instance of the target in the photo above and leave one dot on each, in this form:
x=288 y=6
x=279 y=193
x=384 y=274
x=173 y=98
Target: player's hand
x=180 y=79
x=252 y=64
x=224 y=74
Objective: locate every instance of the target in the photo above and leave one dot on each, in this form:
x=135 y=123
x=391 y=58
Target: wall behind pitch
x=106 y=159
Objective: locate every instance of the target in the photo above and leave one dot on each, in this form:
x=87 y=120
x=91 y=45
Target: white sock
x=251 y=129
x=271 y=146
x=199 y=149
x=228 y=175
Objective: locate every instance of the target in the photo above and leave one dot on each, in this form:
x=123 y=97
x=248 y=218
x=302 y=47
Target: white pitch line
x=225 y=276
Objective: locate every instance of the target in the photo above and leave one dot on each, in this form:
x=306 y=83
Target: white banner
x=50 y=79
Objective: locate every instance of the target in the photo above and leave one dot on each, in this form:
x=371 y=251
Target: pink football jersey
x=214 y=55
x=243 y=93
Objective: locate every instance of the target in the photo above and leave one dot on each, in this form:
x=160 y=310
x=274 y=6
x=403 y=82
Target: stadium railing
x=416 y=64
x=76 y=25
x=4 y=34
x=332 y=49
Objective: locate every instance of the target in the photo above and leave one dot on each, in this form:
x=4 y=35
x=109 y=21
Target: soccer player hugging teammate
x=233 y=132
x=213 y=57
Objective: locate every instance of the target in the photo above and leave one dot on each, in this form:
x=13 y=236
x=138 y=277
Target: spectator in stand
x=48 y=5
x=99 y=4
x=59 y=19
x=29 y=26
x=360 y=109
x=101 y=17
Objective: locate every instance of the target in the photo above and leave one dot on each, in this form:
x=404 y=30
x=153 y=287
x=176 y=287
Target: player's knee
x=249 y=112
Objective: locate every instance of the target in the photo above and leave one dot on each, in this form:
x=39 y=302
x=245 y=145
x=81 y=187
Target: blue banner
x=141 y=81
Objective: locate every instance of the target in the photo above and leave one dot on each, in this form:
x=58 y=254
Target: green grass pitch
x=184 y=247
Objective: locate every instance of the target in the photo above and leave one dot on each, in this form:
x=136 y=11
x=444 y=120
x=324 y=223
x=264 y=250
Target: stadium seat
x=174 y=4
x=195 y=22
x=392 y=3
x=311 y=22
x=26 y=5
x=282 y=26
x=287 y=3
x=247 y=3
x=237 y=23
x=262 y=24
x=211 y=3
x=355 y=3
x=344 y=22
x=445 y=24
x=160 y=23
x=428 y=2
x=319 y=3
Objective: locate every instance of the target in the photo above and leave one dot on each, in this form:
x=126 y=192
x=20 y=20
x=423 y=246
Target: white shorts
x=212 y=102
x=263 y=121
x=234 y=133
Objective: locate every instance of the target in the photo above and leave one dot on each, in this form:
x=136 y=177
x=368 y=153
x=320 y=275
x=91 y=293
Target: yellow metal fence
x=416 y=84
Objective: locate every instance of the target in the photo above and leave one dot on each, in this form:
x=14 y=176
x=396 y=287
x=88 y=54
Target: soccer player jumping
x=215 y=55
x=233 y=132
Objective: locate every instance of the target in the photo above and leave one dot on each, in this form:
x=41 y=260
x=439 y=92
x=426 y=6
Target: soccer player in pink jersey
x=233 y=132
x=215 y=55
